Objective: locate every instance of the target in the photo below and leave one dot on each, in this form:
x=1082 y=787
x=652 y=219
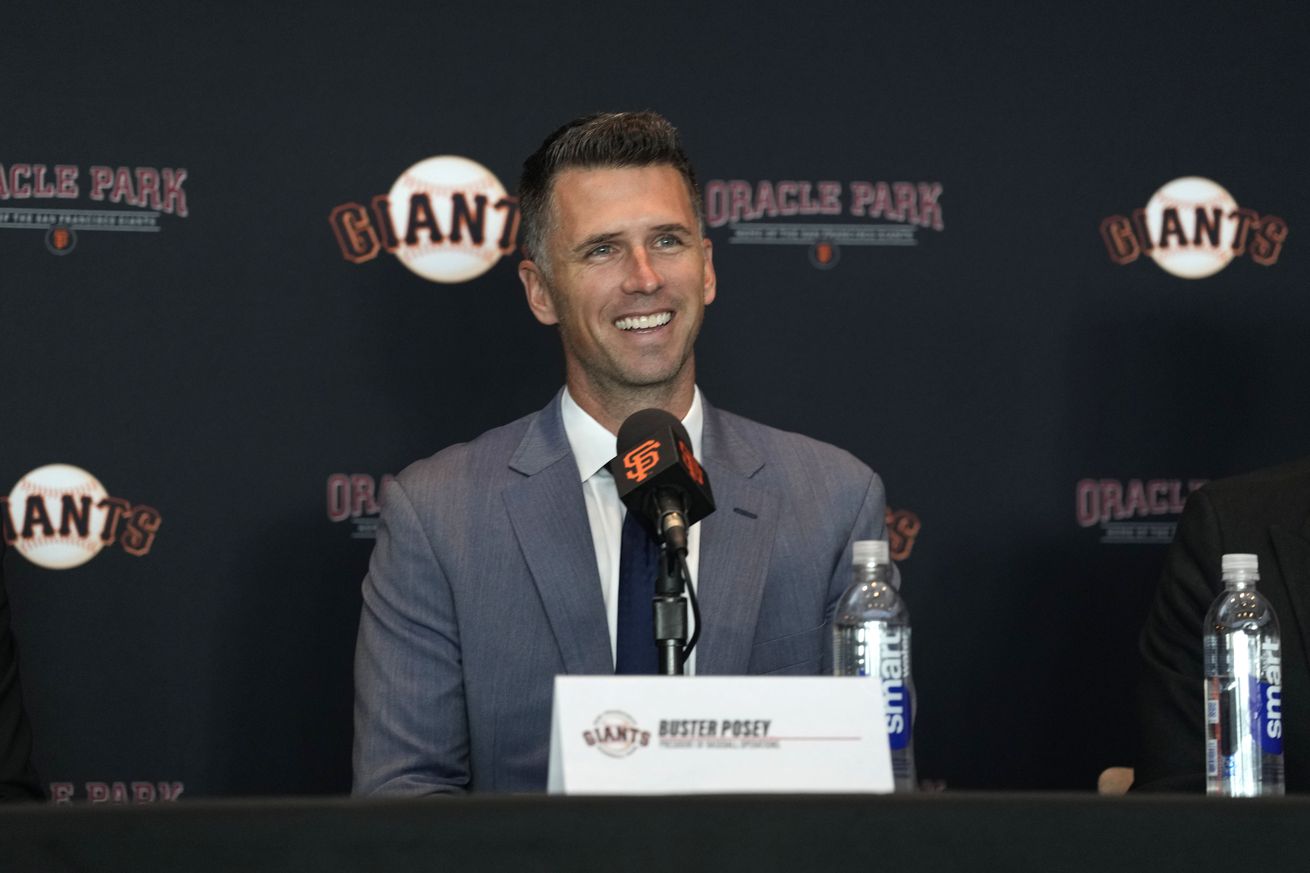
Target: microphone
x=659 y=478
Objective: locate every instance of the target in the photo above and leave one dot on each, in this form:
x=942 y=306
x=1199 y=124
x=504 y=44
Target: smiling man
x=498 y=562
x=626 y=274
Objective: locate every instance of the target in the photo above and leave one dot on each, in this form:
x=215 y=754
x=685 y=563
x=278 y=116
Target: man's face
x=627 y=278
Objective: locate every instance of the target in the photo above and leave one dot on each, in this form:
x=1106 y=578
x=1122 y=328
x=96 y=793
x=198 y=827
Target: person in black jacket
x=1267 y=514
x=17 y=778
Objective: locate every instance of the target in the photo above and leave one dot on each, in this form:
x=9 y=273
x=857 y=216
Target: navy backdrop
x=943 y=240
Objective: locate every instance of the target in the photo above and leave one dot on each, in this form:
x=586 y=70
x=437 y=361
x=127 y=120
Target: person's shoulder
x=794 y=451
x=1272 y=495
x=473 y=460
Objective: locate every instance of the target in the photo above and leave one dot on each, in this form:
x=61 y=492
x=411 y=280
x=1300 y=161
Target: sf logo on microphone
x=690 y=462
x=641 y=460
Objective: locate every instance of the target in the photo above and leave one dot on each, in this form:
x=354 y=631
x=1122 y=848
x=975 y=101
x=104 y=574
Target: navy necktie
x=639 y=560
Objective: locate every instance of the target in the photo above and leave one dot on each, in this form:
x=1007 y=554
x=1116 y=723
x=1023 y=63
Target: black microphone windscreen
x=641 y=424
x=654 y=455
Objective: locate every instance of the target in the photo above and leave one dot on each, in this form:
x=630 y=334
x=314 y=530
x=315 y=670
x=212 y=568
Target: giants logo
x=60 y=516
x=60 y=239
x=447 y=219
x=1193 y=228
x=640 y=461
x=616 y=734
x=689 y=461
x=903 y=527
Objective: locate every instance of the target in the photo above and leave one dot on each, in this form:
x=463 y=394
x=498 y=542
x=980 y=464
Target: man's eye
x=668 y=241
x=601 y=250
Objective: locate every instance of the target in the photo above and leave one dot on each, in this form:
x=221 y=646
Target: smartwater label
x=1269 y=718
x=900 y=716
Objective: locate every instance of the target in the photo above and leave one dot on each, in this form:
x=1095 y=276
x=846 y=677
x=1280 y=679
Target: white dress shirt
x=593 y=448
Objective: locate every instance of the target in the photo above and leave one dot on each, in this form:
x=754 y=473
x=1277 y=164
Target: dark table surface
x=931 y=832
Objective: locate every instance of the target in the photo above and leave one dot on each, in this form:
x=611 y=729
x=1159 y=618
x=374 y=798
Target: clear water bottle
x=1243 y=687
x=871 y=637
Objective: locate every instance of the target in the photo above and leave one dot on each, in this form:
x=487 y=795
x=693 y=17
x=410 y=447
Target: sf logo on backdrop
x=1193 y=228
x=447 y=219
x=60 y=516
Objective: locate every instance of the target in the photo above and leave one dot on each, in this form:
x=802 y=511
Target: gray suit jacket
x=483 y=587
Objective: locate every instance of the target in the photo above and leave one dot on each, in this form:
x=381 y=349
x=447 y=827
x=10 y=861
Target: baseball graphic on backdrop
x=1198 y=258
x=67 y=534
x=446 y=259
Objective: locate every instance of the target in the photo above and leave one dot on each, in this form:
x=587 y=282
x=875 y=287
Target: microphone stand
x=671 y=613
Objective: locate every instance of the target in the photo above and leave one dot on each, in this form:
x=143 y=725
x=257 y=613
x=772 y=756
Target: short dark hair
x=603 y=139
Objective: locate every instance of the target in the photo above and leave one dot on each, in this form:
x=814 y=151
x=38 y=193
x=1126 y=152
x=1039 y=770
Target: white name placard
x=717 y=734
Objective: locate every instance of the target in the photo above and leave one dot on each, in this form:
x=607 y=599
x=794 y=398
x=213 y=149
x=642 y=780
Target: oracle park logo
x=616 y=734
x=1132 y=511
x=144 y=195
x=1193 y=228
x=447 y=219
x=824 y=216
x=356 y=498
x=60 y=516
x=136 y=792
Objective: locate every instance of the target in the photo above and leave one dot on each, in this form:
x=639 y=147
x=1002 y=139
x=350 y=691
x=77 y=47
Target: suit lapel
x=735 y=545
x=1292 y=550
x=549 y=517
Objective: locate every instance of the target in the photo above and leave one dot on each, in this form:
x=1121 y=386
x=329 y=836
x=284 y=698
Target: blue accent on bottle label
x=1269 y=718
x=900 y=714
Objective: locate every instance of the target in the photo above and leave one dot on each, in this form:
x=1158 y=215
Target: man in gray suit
x=497 y=561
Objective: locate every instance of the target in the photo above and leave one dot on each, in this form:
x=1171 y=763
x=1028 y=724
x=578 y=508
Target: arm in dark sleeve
x=17 y=778
x=1171 y=709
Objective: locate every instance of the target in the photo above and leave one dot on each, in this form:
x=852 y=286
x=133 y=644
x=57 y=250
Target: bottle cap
x=870 y=552
x=1238 y=562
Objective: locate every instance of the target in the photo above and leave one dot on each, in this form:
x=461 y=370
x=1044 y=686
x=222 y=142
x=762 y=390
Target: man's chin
x=645 y=382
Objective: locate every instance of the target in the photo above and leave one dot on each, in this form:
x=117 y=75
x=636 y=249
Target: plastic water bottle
x=871 y=637
x=1243 y=687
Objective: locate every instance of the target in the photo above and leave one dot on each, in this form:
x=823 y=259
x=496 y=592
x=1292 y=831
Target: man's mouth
x=644 y=322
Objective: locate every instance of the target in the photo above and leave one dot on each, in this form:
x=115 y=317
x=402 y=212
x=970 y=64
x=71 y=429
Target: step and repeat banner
x=1045 y=274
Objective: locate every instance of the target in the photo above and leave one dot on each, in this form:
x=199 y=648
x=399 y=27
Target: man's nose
x=642 y=277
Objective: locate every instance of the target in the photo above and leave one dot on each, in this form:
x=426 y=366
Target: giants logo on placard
x=1133 y=511
x=447 y=219
x=615 y=733
x=356 y=497
x=1193 y=228
x=889 y=213
x=60 y=516
x=152 y=191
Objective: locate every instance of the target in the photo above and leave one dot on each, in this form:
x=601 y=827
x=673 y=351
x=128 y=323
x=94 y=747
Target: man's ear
x=535 y=288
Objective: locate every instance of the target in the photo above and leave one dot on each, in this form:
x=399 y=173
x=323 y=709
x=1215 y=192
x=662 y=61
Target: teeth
x=638 y=322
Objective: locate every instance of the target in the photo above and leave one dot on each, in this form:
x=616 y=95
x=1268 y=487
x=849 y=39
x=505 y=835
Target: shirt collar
x=593 y=445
